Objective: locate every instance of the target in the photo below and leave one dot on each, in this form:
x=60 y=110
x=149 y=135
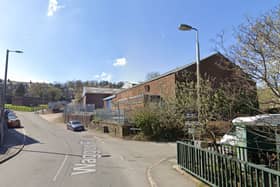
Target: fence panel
x=112 y=116
x=217 y=169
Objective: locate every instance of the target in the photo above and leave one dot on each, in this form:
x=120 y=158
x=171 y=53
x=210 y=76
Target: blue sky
x=112 y=39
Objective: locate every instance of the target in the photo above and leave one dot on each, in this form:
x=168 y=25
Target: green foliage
x=54 y=93
x=267 y=99
x=166 y=121
x=148 y=120
x=25 y=108
x=159 y=123
x=45 y=91
x=20 y=90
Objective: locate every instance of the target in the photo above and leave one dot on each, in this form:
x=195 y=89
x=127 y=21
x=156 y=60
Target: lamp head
x=184 y=27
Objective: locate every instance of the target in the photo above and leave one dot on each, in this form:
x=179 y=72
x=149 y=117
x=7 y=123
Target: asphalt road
x=55 y=156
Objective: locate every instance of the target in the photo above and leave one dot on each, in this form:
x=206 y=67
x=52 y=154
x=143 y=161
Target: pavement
x=55 y=156
x=14 y=141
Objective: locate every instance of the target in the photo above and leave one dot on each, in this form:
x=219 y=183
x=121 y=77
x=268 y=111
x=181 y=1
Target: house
x=163 y=87
x=93 y=95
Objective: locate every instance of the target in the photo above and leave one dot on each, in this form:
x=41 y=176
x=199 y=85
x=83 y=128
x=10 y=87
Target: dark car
x=13 y=121
x=75 y=125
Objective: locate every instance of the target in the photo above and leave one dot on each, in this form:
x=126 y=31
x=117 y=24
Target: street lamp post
x=4 y=94
x=184 y=27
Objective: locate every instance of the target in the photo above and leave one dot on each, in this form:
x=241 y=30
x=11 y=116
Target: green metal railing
x=217 y=169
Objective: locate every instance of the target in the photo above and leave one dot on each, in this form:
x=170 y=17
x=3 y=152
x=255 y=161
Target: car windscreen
x=11 y=117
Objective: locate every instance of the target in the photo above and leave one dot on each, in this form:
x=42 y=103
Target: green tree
x=45 y=91
x=54 y=94
x=20 y=90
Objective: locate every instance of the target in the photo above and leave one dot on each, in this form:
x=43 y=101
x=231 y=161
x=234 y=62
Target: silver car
x=75 y=125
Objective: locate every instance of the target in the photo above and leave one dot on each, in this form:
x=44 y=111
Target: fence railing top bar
x=241 y=147
x=274 y=172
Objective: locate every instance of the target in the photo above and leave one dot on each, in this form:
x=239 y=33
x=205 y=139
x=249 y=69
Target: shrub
x=159 y=123
x=147 y=119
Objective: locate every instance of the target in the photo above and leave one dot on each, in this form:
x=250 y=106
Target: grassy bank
x=25 y=108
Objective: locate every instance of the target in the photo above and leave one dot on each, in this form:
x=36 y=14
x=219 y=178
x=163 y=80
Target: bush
x=147 y=119
x=159 y=123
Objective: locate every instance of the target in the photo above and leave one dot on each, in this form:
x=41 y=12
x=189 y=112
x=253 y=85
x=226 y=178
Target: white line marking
x=99 y=139
x=149 y=174
x=24 y=135
x=60 y=168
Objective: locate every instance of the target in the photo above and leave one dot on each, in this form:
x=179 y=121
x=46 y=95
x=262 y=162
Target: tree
x=20 y=90
x=219 y=102
x=257 y=49
x=54 y=94
x=45 y=91
x=152 y=75
x=35 y=90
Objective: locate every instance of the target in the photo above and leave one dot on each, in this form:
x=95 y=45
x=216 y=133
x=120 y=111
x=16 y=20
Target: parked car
x=13 y=121
x=75 y=125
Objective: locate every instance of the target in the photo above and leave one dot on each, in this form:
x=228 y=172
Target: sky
x=114 y=40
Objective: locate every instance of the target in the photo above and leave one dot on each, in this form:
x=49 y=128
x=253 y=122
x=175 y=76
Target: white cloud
x=53 y=7
x=120 y=62
x=104 y=77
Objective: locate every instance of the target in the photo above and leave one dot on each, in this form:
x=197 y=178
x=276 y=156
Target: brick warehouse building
x=93 y=95
x=164 y=86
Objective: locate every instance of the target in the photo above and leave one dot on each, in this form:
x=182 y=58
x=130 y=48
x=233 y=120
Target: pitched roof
x=109 y=97
x=95 y=90
x=176 y=70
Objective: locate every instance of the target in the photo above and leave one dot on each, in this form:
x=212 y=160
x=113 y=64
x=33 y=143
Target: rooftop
x=177 y=70
x=95 y=90
x=267 y=119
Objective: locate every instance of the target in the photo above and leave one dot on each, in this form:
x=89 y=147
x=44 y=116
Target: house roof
x=264 y=119
x=176 y=70
x=95 y=90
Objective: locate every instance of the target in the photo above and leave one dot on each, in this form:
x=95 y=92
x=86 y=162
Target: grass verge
x=25 y=108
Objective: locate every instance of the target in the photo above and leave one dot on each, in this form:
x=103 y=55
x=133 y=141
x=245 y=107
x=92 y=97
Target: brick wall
x=216 y=67
x=164 y=86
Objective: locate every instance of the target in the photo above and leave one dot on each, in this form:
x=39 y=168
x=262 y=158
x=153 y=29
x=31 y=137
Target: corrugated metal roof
x=110 y=97
x=96 y=90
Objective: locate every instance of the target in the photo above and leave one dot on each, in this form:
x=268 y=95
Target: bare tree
x=152 y=75
x=257 y=49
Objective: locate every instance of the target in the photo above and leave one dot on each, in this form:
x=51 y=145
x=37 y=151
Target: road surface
x=54 y=156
